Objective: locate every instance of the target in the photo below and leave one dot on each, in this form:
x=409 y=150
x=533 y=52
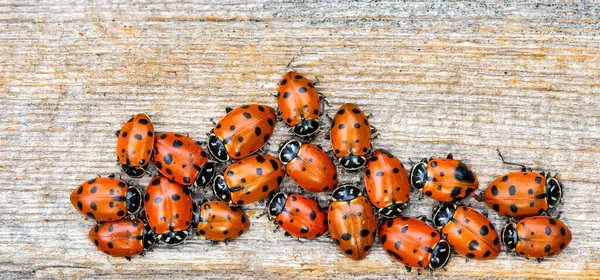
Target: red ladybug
x=537 y=237
x=134 y=145
x=217 y=221
x=308 y=166
x=387 y=184
x=523 y=194
x=106 y=199
x=242 y=132
x=299 y=104
x=351 y=137
x=352 y=223
x=444 y=179
x=298 y=216
x=469 y=232
x=249 y=180
x=182 y=160
x=414 y=243
x=168 y=209
x=122 y=238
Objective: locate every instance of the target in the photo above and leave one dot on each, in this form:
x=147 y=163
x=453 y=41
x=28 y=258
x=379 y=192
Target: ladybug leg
x=374 y=132
x=117 y=132
x=539 y=260
x=228 y=109
x=523 y=167
x=485 y=213
x=450 y=156
x=478 y=196
x=408 y=268
x=128 y=258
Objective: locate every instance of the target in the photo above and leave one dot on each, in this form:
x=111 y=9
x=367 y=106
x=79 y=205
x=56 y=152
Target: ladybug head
x=554 y=191
x=174 y=237
x=289 y=150
x=392 y=211
x=510 y=236
x=440 y=255
x=216 y=148
x=443 y=213
x=205 y=174
x=148 y=237
x=345 y=192
x=418 y=175
x=133 y=200
x=134 y=171
x=221 y=189
x=306 y=128
x=276 y=205
x=353 y=163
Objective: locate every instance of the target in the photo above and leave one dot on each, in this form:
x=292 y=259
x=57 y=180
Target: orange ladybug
x=298 y=216
x=181 y=159
x=106 y=199
x=387 y=184
x=414 y=243
x=299 y=104
x=536 y=237
x=352 y=223
x=351 y=137
x=444 y=179
x=242 y=132
x=249 y=180
x=469 y=232
x=217 y=221
x=122 y=238
x=134 y=145
x=168 y=209
x=523 y=194
x=308 y=166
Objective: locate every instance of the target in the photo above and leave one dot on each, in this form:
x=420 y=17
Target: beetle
x=309 y=166
x=350 y=136
x=536 y=237
x=525 y=193
x=181 y=159
x=299 y=104
x=352 y=223
x=134 y=145
x=469 y=232
x=217 y=221
x=444 y=179
x=298 y=215
x=413 y=243
x=386 y=183
x=106 y=199
x=122 y=238
x=242 y=132
x=169 y=209
x=249 y=180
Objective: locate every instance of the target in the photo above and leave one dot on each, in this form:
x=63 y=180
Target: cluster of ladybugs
x=129 y=223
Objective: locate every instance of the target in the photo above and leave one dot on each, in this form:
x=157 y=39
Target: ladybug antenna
x=523 y=167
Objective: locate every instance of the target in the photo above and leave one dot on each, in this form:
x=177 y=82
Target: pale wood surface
x=453 y=77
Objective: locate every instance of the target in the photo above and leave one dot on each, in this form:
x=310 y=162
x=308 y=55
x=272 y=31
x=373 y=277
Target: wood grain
x=458 y=77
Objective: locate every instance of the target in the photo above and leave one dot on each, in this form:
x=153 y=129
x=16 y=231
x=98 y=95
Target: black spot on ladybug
x=90 y=215
x=548 y=230
x=368 y=172
x=364 y=233
x=538 y=180
x=563 y=231
x=358 y=214
x=379 y=174
x=124 y=134
x=304 y=229
x=496 y=207
x=346 y=236
x=356 y=111
x=313 y=215
x=169 y=171
x=230 y=173
x=279 y=179
x=143 y=121
x=79 y=205
x=459 y=232
x=514 y=208
x=496 y=241
x=484 y=230
x=433 y=234
x=259 y=171
x=562 y=246
x=512 y=190
x=163 y=136
x=341 y=126
x=455 y=192
x=396 y=170
x=110 y=245
x=247 y=115
x=168 y=158
x=356 y=125
x=390 y=223
x=80 y=190
x=505 y=178
x=147 y=197
x=175 y=197
x=156 y=182
x=137 y=136
x=494 y=190
x=225 y=232
x=186 y=179
x=94 y=189
x=348 y=252
x=177 y=144
x=302 y=90
x=158 y=200
x=428 y=193
x=287 y=94
x=96 y=242
x=547 y=248
x=462 y=173
x=122 y=184
x=531 y=204
x=552 y=221
x=404 y=228
x=383 y=238
x=434 y=164
x=473 y=245
x=150 y=134
x=93 y=206
x=467 y=221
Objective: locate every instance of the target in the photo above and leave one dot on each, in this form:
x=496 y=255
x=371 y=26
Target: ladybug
x=444 y=179
x=134 y=145
x=387 y=184
x=217 y=221
x=536 y=237
x=299 y=104
x=243 y=131
x=523 y=194
x=182 y=160
x=351 y=137
x=168 y=209
x=352 y=223
x=249 y=180
x=308 y=166
x=298 y=216
x=122 y=238
x=469 y=232
x=106 y=199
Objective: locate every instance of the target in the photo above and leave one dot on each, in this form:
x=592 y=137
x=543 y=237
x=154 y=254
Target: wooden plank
x=457 y=77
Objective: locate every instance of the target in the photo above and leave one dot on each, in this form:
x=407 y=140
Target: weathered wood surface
x=453 y=77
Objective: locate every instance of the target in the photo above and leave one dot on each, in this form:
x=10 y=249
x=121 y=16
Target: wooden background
x=457 y=77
